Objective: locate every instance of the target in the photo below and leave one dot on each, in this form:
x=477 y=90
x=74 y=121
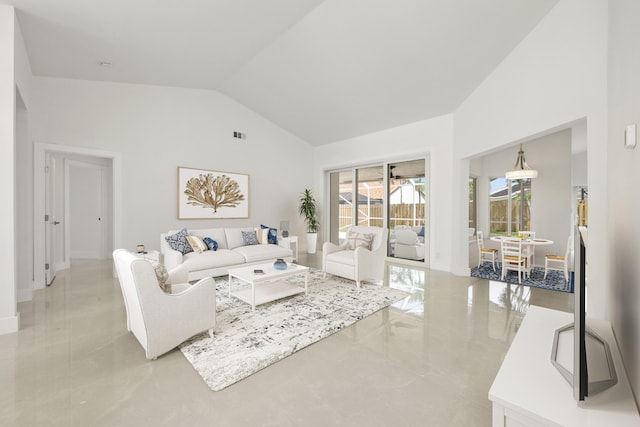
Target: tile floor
x=428 y=360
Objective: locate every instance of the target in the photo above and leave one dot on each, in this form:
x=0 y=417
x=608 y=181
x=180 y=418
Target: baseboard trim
x=9 y=325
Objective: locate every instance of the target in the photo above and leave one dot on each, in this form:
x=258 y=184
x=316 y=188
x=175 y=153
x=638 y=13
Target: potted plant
x=308 y=211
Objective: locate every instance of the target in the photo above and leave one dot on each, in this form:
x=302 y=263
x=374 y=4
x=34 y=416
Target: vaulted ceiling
x=323 y=70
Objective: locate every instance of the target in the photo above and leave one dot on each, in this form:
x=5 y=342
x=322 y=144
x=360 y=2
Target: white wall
x=555 y=78
x=624 y=175
x=24 y=174
x=24 y=204
x=15 y=101
x=8 y=293
x=158 y=129
x=429 y=137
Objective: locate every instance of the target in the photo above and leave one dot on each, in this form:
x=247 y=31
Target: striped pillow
x=197 y=244
x=357 y=240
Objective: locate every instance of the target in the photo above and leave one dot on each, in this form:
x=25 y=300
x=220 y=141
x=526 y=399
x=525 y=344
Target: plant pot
x=312 y=240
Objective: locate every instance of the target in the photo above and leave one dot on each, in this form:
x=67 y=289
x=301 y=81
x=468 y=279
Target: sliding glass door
x=406 y=195
x=341 y=204
x=370 y=198
x=392 y=195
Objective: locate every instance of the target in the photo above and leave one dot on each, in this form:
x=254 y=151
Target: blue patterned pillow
x=421 y=233
x=249 y=238
x=273 y=234
x=178 y=242
x=211 y=244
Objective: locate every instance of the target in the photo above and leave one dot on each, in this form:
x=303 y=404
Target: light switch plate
x=630 y=136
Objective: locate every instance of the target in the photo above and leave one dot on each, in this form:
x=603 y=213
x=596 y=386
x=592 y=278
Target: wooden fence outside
x=401 y=214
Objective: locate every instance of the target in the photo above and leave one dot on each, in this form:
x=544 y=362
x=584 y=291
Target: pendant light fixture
x=521 y=169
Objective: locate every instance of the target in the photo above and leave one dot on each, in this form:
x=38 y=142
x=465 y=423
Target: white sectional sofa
x=230 y=253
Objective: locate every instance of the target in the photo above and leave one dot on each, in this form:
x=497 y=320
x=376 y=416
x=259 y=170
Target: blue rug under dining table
x=554 y=281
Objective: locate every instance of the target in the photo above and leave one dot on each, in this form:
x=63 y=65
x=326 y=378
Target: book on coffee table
x=258 y=271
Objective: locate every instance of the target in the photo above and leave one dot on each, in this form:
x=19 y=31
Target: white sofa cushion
x=212 y=259
x=234 y=236
x=342 y=257
x=406 y=237
x=263 y=252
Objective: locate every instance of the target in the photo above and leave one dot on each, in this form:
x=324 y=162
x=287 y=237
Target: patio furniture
x=408 y=245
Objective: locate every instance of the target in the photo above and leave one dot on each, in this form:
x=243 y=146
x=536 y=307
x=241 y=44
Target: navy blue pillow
x=211 y=244
x=421 y=233
x=178 y=242
x=273 y=234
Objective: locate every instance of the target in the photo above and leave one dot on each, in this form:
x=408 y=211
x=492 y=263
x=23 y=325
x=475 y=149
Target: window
x=506 y=203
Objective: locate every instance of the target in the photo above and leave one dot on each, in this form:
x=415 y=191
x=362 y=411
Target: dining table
x=525 y=240
x=530 y=243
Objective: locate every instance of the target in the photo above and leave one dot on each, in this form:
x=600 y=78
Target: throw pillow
x=273 y=234
x=163 y=276
x=421 y=232
x=178 y=242
x=357 y=240
x=211 y=244
x=249 y=238
x=197 y=244
x=263 y=236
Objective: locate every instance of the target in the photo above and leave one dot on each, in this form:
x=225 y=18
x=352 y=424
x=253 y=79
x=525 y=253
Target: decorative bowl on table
x=280 y=264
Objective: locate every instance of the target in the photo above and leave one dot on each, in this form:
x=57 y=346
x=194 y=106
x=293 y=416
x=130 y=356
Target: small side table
x=151 y=255
x=288 y=241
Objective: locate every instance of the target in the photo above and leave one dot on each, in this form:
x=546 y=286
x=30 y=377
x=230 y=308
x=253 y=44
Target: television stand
x=529 y=391
x=601 y=371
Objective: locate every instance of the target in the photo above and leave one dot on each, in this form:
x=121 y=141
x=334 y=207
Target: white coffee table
x=266 y=287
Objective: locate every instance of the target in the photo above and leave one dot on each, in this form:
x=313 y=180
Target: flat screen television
x=581 y=356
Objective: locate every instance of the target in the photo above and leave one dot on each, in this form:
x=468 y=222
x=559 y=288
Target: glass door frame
x=328 y=209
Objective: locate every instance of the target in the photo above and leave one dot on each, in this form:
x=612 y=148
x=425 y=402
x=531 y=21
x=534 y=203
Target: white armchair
x=158 y=320
x=357 y=262
x=407 y=245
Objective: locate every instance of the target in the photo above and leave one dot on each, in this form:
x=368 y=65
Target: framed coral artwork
x=205 y=194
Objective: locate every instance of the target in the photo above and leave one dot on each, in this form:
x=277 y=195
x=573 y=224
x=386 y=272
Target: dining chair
x=485 y=254
x=558 y=262
x=513 y=258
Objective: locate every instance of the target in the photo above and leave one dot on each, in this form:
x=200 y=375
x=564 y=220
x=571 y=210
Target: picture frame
x=209 y=194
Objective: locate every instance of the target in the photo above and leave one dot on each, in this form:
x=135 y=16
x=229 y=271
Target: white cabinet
x=529 y=391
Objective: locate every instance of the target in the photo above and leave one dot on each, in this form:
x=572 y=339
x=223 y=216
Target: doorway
x=55 y=166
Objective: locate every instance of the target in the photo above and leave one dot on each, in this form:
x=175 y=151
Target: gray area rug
x=247 y=341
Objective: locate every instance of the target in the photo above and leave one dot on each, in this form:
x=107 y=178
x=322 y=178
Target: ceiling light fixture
x=521 y=169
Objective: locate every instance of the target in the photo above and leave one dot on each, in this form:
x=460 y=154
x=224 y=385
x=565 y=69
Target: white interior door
x=85 y=199
x=51 y=224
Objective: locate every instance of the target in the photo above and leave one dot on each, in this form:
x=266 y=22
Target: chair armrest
x=172 y=258
x=178 y=274
x=202 y=283
x=328 y=247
